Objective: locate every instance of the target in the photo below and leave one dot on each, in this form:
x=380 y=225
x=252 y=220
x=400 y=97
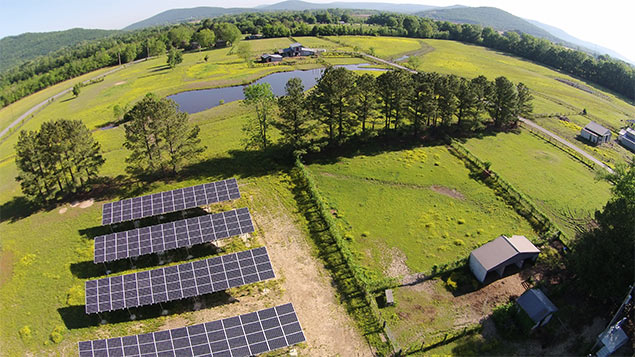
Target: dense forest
x=32 y=76
x=16 y=50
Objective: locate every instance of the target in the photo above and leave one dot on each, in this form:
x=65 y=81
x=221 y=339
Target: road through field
x=50 y=99
x=525 y=121
x=565 y=142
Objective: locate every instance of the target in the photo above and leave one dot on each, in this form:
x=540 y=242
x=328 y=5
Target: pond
x=198 y=100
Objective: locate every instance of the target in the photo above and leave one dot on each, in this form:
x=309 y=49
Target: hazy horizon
x=608 y=26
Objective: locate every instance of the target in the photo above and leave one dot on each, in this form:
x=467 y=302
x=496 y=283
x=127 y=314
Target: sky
x=608 y=23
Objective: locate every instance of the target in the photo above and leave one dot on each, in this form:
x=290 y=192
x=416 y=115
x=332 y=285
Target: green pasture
x=418 y=206
x=552 y=96
x=561 y=186
x=384 y=47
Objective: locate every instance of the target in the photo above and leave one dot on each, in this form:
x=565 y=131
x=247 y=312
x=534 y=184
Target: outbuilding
x=627 y=138
x=270 y=58
x=537 y=306
x=503 y=251
x=596 y=133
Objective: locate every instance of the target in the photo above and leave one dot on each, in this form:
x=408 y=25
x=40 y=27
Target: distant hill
x=15 y=50
x=576 y=41
x=296 y=5
x=176 y=16
x=489 y=16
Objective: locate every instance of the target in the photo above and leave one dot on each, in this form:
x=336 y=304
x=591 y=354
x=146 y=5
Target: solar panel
x=169 y=201
x=172 y=235
x=178 y=281
x=245 y=335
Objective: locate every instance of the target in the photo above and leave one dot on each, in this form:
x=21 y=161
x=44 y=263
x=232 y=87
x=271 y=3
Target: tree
x=174 y=57
x=60 y=158
x=467 y=100
x=447 y=100
x=502 y=103
x=260 y=98
x=366 y=98
x=180 y=36
x=603 y=257
x=159 y=137
x=227 y=32
x=243 y=51
x=204 y=37
x=524 y=106
x=395 y=88
x=294 y=121
x=77 y=88
x=331 y=101
x=482 y=90
x=155 y=47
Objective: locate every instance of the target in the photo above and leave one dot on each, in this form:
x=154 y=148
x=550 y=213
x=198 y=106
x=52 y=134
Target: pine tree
x=524 y=107
x=294 y=121
x=159 y=137
x=502 y=103
x=366 y=98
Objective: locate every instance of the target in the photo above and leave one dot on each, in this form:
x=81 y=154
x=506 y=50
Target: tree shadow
x=69 y=99
x=75 y=317
x=19 y=207
x=90 y=270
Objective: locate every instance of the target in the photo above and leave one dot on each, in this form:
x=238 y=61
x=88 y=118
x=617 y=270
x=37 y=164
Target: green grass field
x=402 y=209
x=557 y=183
x=417 y=206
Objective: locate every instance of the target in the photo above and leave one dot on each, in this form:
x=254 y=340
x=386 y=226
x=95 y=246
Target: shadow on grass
x=89 y=269
x=75 y=317
x=69 y=99
x=102 y=188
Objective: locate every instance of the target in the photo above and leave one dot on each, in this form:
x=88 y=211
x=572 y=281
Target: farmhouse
x=596 y=133
x=627 y=138
x=503 y=251
x=537 y=306
x=270 y=58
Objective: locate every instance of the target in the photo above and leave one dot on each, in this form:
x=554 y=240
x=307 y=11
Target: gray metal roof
x=536 y=304
x=597 y=128
x=297 y=44
x=501 y=249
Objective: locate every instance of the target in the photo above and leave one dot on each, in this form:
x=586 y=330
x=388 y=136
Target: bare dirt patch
x=6 y=266
x=397 y=267
x=87 y=203
x=303 y=281
x=120 y=83
x=63 y=210
x=447 y=191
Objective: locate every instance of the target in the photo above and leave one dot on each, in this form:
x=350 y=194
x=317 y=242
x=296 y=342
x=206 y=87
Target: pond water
x=198 y=100
x=402 y=58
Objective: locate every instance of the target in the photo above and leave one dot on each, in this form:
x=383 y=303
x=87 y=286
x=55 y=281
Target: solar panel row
x=178 y=281
x=244 y=335
x=172 y=235
x=169 y=201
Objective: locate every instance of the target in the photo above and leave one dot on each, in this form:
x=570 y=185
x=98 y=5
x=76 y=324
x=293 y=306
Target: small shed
x=503 y=251
x=304 y=51
x=596 y=133
x=537 y=306
x=270 y=58
x=390 y=300
x=612 y=339
x=627 y=138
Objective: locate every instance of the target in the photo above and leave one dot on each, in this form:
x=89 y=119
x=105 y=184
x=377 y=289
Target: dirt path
x=301 y=279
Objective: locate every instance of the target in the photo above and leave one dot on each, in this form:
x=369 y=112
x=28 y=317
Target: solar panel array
x=178 y=281
x=178 y=234
x=245 y=335
x=169 y=201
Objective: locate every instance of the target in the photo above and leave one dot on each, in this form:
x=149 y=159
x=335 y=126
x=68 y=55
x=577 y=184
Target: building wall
x=477 y=269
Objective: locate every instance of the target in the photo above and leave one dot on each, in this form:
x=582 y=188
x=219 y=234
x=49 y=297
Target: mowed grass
x=416 y=207
x=384 y=47
x=470 y=61
x=558 y=184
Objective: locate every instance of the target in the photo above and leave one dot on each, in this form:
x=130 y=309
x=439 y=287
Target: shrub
x=348 y=236
x=459 y=242
x=56 y=335
x=75 y=295
x=25 y=332
x=460 y=221
x=365 y=234
x=511 y=322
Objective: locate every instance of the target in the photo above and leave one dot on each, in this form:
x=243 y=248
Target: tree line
x=70 y=62
x=67 y=63
x=344 y=103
